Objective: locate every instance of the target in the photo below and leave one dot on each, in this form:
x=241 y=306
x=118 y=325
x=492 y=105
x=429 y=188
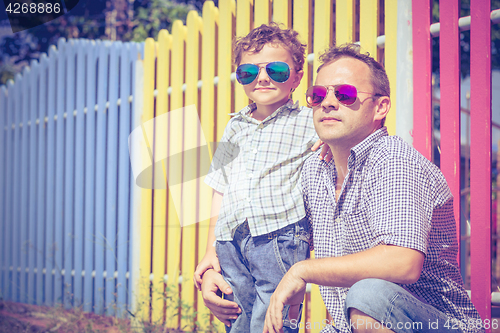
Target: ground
x=25 y=318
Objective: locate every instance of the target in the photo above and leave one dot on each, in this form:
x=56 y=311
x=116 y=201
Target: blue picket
x=32 y=228
x=68 y=237
x=3 y=181
x=100 y=177
x=111 y=167
x=24 y=197
x=16 y=216
x=41 y=249
x=59 y=171
x=88 y=291
x=123 y=178
x=50 y=185
x=81 y=47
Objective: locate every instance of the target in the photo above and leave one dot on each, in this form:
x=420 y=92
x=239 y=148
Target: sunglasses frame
x=260 y=66
x=334 y=87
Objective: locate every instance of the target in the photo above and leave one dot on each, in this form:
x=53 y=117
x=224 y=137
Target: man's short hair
x=379 y=79
x=271 y=33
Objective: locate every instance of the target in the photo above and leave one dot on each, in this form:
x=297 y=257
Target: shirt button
x=250 y=175
x=248 y=199
x=254 y=151
x=337 y=220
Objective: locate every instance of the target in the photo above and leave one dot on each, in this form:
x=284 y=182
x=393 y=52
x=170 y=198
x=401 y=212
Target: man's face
x=346 y=126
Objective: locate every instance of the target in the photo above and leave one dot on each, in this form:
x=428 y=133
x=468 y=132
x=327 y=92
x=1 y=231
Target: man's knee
x=368 y=291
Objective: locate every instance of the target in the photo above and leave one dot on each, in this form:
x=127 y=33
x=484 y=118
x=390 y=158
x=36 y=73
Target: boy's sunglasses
x=345 y=94
x=277 y=70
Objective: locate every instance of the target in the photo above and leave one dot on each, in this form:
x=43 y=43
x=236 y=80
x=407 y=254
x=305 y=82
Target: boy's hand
x=325 y=154
x=211 y=287
x=209 y=261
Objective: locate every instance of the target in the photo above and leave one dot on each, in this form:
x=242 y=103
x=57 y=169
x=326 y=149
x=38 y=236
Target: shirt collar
x=360 y=152
x=245 y=112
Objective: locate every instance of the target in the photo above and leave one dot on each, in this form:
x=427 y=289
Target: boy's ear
x=297 y=78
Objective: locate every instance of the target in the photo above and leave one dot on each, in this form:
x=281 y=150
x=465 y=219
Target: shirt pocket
x=357 y=231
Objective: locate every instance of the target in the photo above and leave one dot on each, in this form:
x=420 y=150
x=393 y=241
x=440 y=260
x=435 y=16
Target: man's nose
x=330 y=101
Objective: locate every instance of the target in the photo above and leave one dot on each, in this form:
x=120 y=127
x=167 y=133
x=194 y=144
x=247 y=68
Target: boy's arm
x=210 y=259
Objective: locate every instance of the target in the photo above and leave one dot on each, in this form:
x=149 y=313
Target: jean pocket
x=289 y=250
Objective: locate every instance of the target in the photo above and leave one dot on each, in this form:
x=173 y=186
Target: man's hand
x=290 y=291
x=209 y=261
x=326 y=153
x=212 y=284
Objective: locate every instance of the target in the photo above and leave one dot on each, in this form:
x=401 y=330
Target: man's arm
x=386 y=262
x=210 y=259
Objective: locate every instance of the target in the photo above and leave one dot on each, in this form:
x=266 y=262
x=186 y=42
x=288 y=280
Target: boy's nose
x=263 y=75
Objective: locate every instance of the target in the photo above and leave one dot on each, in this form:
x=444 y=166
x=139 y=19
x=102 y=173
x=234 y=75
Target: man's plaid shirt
x=391 y=195
x=257 y=168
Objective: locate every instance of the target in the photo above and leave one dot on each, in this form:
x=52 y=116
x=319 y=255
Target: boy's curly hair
x=271 y=33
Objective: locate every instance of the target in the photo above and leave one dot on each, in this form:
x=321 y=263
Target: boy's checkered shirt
x=257 y=168
x=391 y=195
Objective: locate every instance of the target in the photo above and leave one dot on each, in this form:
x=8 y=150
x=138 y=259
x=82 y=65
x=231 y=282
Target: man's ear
x=383 y=107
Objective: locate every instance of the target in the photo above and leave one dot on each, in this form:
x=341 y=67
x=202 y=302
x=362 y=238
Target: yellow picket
x=160 y=195
x=175 y=146
x=322 y=30
x=262 y=10
x=146 y=194
x=317 y=306
x=390 y=62
x=368 y=26
x=282 y=12
x=344 y=22
x=208 y=62
x=224 y=91
x=243 y=25
x=190 y=165
x=302 y=24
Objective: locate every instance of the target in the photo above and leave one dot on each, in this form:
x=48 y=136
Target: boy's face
x=268 y=94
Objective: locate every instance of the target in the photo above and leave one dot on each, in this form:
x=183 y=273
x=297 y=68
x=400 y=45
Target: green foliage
x=154 y=16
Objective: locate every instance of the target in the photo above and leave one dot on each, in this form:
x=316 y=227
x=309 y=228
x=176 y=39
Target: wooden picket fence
x=77 y=227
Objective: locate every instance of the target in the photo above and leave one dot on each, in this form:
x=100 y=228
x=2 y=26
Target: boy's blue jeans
x=254 y=266
x=397 y=308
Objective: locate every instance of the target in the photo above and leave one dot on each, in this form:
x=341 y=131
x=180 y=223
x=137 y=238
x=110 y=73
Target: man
x=382 y=214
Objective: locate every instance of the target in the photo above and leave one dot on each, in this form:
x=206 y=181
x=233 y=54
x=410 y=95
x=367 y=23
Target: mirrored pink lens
x=346 y=94
x=315 y=95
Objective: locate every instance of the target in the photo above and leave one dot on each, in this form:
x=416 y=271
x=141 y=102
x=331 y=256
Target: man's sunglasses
x=277 y=70
x=345 y=94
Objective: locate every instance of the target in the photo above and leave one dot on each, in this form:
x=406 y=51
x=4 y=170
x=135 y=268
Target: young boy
x=260 y=229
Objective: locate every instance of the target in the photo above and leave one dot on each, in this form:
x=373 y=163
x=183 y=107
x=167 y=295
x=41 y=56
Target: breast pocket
x=357 y=232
